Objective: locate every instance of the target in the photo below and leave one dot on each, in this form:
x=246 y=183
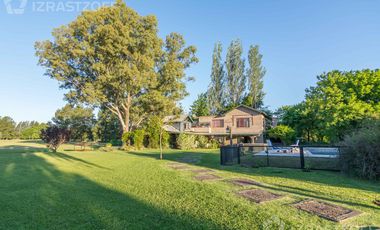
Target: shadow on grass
x=19 y=149
x=335 y=179
x=34 y=194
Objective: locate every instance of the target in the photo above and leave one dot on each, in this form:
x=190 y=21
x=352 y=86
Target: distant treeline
x=9 y=129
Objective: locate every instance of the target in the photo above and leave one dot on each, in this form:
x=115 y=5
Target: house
x=177 y=123
x=244 y=124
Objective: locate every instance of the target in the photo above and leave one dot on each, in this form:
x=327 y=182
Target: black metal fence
x=301 y=157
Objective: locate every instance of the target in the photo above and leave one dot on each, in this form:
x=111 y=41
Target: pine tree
x=216 y=89
x=199 y=106
x=255 y=74
x=236 y=79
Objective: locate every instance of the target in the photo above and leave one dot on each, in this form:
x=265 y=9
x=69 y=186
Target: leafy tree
x=113 y=58
x=341 y=100
x=7 y=128
x=33 y=131
x=55 y=136
x=255 y=75
x=285 y=133
x=107 y=127
x=236 y=79
x=22 y=125
x=216 y=91
x=200 y=106
x=78 y=120
x=155 y=132
x=303 y=119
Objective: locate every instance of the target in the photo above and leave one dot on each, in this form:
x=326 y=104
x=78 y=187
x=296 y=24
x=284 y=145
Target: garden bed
x=258 y=195
x=328 y=211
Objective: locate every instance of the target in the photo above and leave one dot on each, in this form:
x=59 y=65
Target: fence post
x=221 y=155
x=238 y=153
x=302 y=156
x=267 y=156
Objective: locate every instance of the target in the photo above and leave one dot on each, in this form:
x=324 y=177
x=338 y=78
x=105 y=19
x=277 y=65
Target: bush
x=360 y=155
x=186 y=141
x=213 y=144
x=107 y=147
x=54 y=136
x=153 y=130
x=116 y=142
x=283 y=132
x=201 y=141
x=138 y=138
x=126 y=138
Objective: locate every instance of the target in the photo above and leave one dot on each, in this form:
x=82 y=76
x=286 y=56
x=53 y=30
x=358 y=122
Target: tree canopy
x=114 y=58
x=236 y=79
x=336 y=106
x=7 y=128
x=200 y=106
x=255 y=75
x=216 y=91
x=77 y=119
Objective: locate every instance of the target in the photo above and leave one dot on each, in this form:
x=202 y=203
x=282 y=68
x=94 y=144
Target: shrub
x=107 y=147
x=202 y=141
x=126 y=138
x=153 y=131
x=186 y=141
x=54 y=136
x=213 y=144
x=360 y=155
x=116 y=142
x=283 y=132
x=138 y=138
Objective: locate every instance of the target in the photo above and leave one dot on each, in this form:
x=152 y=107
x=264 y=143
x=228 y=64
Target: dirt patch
x=258 y=195
x=203 y=177
x=201 y=170
x=243 y=182
x=328 y=211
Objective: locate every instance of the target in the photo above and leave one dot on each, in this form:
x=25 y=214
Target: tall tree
x=216 y=91
x=341 y=100
x=236 y=79
x=7 y=128
x=78 y=120
x=200 y=106
x=33 y=131
x=113 y=57
x=255 y=75
x=107 y=127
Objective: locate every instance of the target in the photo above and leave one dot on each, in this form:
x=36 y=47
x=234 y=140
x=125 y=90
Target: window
x=242 y=122
x=204 y=125
x=218 y=123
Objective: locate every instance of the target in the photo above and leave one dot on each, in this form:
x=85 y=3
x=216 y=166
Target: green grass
x=119 y=190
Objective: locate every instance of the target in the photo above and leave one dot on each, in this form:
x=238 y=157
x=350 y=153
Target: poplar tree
x=236 y=79
x=216 y=95
x=255 y=75
x=113 y=58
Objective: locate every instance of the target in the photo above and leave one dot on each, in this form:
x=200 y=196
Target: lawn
x=136 y=190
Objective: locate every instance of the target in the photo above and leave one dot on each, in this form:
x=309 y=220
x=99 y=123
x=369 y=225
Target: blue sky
x=299 y=40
